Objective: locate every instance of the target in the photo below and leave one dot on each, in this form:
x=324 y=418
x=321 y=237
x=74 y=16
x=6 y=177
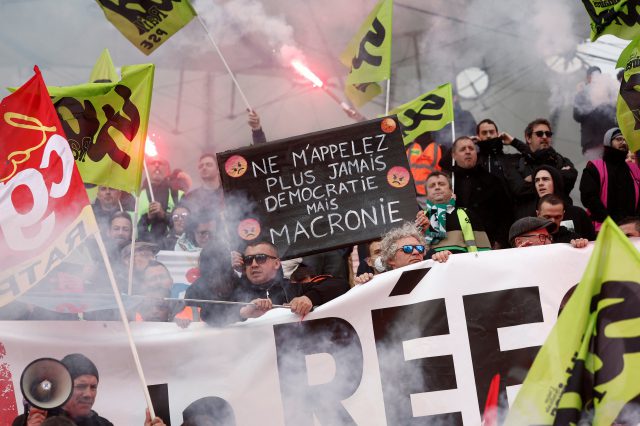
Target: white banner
x=420 y=341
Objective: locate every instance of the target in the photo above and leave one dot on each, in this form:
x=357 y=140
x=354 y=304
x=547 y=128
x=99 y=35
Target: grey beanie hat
x=611 y=133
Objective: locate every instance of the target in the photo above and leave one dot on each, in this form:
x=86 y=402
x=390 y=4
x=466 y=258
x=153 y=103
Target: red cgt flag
x=44 y=210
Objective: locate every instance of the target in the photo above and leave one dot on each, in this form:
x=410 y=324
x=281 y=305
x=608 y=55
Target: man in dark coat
x=261 y=285
x=482 y=192
x=539 y=138
x=594 y=107
x=614 y=192
x=547 y=180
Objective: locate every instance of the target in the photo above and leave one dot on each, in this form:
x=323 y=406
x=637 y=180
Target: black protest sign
x=321 y=191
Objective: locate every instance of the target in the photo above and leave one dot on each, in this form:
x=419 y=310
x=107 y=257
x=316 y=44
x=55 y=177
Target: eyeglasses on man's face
x=408 y=249
x=543 y=238
x=260 y=259
x=541 y=133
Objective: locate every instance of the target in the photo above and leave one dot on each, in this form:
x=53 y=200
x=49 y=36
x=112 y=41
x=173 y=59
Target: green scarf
x=437 y=214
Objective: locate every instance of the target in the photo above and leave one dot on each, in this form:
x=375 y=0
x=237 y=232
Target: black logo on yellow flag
x=632 y=97
x=614 y=339
x=144 y=14
x=626 y=16
x=432 y=102
x=81 y=125
x=374 y=37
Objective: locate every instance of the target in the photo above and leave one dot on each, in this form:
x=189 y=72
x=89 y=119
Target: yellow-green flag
x=360 y=94
x=628 y=107
x=617 y=17
x=368 y=55
x=104 y=71
x=147 y=23
x=589 y=367
x=427 y=113
x=106 y=126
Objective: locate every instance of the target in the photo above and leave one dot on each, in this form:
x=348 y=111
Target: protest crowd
x=484 y=190
x=462 y=206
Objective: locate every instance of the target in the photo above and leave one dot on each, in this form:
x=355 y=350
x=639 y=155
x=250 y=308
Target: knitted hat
x=528 y=224
x=210 y=407
x=610 y=135
x=79 y=365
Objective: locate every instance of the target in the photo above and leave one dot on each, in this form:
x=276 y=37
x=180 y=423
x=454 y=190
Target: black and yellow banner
x=427 y=113
x=617 y=17
x=628 y=107
x=589 y=367
x=368 y=55
x=106 y=126
x=148 y=23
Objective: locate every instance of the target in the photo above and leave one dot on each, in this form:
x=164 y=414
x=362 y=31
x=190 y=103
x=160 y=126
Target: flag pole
x=133 y=245
x=386 y=104
x=244 y=98
x=453 y=162
x=146 y=172
x=125 y=323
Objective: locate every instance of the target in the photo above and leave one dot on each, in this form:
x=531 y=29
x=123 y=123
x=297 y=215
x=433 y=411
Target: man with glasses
x=538 y=135
x=530 y=231
x=154 y=215
x=262 y=285
x=399 y=247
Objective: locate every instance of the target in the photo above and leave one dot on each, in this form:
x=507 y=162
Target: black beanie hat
x=79 y=365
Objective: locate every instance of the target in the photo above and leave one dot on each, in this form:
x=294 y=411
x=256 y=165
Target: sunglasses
x=541 y=133
x=408 y=249
x=260 y=259
x=180 y=216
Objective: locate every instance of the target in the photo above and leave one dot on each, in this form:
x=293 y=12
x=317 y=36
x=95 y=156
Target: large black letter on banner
x=486 y=313
x=301 y=401
x=400 y=378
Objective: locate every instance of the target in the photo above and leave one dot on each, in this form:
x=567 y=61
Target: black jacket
x=621 y=197
x=524 y=193
x=485 y=194
x=92 y=420
x=581 y=223
x=280 y=290
x=594 y=120
x=564 y=235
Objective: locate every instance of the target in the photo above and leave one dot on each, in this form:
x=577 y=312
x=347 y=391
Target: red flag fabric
x=42 y=197
x=490 y=414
